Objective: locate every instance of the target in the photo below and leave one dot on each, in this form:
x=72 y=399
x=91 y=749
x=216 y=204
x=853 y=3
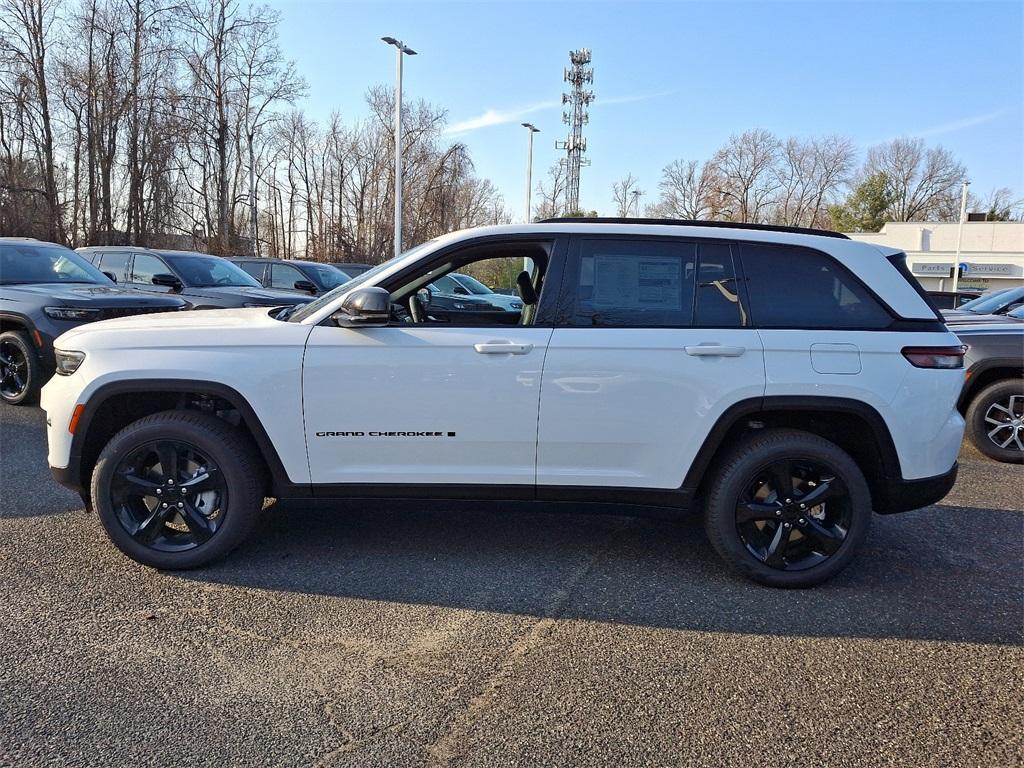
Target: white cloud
x=959 y=125
x=518 y=114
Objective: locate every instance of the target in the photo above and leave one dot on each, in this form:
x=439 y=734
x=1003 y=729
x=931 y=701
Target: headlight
x=67 y=361
x=71 y=313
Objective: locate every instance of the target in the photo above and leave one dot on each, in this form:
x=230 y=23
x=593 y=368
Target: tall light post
x=960 y=235
x=400 y=48
x=532 y=129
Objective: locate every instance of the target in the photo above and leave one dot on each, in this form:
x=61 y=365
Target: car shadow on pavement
x=26 y=488
x=943 y=573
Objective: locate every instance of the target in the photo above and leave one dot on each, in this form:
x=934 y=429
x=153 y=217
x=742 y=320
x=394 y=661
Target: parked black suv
x=310 y=277
x=205 y=282
x=45 y=290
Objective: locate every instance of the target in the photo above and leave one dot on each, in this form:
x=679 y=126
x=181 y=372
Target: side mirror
x=305 y=285
x=167 y=281
x=364 y=308
x=111 y=275
x=460 y=291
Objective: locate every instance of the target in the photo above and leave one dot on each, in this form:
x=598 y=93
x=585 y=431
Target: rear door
x=652 y=345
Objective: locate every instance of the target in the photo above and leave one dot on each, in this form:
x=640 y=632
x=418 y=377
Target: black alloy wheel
x=787 y=508
x=169 y=496
x=793 y=514
x=20 y=374
x=13 y=370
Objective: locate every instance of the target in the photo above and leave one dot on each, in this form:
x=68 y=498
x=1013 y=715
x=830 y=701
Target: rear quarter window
x=795 y=287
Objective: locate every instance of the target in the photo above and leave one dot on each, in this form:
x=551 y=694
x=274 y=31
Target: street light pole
x=400 y=48
x=529 y=168
x=960 y=236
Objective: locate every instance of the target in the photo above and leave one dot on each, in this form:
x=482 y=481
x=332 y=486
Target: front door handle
x=502 y=348
x=713 y=350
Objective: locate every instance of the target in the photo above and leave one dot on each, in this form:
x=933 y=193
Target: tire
x=746 y=518
x=1003 y=402
x=218 y=513
x=19 y=362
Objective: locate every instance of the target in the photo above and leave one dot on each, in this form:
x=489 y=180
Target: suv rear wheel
x=788 y=509
x=995 y=421
x=178 y=489
x=20 y=372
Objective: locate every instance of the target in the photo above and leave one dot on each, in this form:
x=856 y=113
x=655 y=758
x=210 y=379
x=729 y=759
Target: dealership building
x=991 y=252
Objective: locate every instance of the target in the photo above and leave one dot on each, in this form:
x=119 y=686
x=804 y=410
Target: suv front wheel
x=178 y=489
x=788 y=509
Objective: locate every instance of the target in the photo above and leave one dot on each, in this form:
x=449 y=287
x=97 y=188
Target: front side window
x=793 y=287
x=146 y=266
x=284 y=276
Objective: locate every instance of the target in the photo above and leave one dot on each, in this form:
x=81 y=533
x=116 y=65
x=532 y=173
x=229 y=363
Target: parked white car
x=786 y=382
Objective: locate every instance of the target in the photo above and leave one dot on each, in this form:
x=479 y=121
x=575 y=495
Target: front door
x=654 y=345
x=424 y=402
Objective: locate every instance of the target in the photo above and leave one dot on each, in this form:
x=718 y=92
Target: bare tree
x=810 y=174
x=551 y=195
x=743 y=170
x=626 y=194
x=688 y=191
x=924 y=183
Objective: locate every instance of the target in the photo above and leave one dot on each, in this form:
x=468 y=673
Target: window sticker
x=643 y=283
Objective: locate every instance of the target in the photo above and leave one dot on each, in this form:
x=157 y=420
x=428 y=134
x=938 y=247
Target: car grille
x=111 y=312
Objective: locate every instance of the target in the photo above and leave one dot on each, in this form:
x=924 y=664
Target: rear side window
x=793 y=287
x=634 y=283
x=116 y=264
x=656 y=283
x=253 y=268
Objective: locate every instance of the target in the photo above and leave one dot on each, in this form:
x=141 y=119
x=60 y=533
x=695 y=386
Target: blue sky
x=673 y=80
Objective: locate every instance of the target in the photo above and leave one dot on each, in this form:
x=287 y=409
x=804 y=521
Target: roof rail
x=694 y=223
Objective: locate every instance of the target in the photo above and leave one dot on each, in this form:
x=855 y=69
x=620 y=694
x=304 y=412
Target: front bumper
x=904 y=495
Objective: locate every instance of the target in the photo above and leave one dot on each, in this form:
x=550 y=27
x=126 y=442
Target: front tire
x=178 y=489
x=995 y=421
x=788 y=509
x=20 y=369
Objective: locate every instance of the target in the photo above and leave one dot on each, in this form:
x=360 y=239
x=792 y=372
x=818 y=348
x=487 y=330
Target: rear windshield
x=29 y=262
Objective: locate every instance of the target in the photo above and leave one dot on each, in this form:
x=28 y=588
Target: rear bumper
x=905 y=495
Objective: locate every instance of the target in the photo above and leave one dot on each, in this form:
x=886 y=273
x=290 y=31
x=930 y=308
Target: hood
x=270 y=296
x=87 y=294
x=176 y=322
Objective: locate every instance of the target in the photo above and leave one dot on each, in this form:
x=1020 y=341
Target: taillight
x=935 y=357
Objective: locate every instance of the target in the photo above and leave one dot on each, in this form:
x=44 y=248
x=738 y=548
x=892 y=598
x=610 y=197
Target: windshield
x=993 y=302
x=329 y=277
x=209 y=271
x=304 y=311
x=472 y=284
x=29 y=262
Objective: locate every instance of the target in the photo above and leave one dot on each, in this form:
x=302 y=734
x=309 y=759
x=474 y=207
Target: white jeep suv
x=788 y=382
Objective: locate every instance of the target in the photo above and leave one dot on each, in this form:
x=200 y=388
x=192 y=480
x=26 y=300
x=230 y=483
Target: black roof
x=695 y=223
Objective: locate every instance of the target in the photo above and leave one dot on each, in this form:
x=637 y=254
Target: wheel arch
x=117 y=404
x=988 y=372
x=854 y=426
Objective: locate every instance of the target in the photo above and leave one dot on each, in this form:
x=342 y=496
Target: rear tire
x=21 y=371
x=990 y=418
x=787 y=509
x=178 y=489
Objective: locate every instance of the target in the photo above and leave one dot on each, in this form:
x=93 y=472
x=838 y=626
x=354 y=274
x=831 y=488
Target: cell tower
x=575 y=115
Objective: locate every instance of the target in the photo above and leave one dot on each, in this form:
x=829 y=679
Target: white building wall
x=993 y=251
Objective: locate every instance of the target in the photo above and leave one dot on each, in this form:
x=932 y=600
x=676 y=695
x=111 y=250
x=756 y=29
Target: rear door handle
x=713 y=350
x=502 y=348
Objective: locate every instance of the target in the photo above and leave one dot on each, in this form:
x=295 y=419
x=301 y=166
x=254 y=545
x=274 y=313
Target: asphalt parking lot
x=392 y=635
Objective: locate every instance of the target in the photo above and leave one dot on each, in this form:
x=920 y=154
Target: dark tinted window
x=116 y=264
x=284 y=276
x=253 y=268
x=199 y=271
x=718 y=298
x=792 y=287
x=634 y=283
x=145 y=266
